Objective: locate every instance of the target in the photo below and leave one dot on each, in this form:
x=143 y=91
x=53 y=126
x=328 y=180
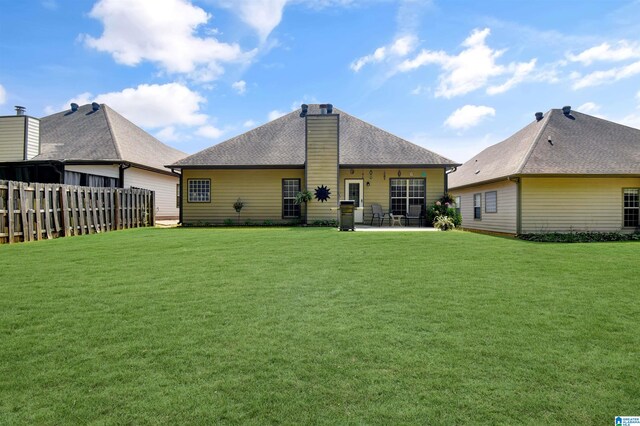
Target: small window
x=199 y=190
x=458 y=202
x=477 y=206
x=177 y=195
x=491 y=202
x=631 y=207
x=290 y=187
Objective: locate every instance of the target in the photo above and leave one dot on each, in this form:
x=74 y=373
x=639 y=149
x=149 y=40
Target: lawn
x=275 y=325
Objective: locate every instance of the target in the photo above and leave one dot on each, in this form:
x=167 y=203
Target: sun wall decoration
x=322 y=193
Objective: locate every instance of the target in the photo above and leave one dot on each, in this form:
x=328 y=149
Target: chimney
x=95 y=106
x=20 y=110
x=74 y=107
x=539 y=116
x=566 y=110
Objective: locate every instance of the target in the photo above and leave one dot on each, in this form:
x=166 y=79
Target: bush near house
x=579 y=237
x=444 y=207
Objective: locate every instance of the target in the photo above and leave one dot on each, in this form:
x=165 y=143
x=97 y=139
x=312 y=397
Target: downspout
x=181 y=201
x=123 y=167
x=446 y=178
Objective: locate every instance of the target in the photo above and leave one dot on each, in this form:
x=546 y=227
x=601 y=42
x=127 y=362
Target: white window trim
x=189 y=192
x=477 y=197
x=629 y=208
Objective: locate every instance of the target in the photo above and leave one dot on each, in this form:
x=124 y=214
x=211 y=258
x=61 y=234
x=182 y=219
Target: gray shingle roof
x=102 y=135
x=582 y=144
x=281 y=142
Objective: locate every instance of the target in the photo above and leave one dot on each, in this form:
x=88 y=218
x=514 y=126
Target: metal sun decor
x=322 y=193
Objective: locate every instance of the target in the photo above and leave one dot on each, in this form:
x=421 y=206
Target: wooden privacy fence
x=36 y=211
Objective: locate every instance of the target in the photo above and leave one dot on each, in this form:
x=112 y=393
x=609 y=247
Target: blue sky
x=453 y=76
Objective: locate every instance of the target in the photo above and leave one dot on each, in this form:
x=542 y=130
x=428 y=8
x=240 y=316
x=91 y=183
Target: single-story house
x=566 y=171
x=326 y=151
x=89 y=145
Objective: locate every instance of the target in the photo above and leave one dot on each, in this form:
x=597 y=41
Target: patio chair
x=377 y=213
x=415 y=212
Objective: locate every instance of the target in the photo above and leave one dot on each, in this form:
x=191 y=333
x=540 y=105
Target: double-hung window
x=491 y=202
x=405 y=193
x=199 y=190
x=631 y=207
x=290 y=187
x=458 y=202
x=477 y=206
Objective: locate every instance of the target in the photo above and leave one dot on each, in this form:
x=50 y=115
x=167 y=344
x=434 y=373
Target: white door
x=353 y=191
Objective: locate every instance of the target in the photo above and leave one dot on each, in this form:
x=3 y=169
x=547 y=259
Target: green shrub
x=579 y=237
x=228 y=222
x=331 y=222
x=267 y=223
x=443 y=209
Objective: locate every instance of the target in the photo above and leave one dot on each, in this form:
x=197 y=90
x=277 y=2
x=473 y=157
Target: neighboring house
x=566 y=171
x=317 y=149
x=89 y=145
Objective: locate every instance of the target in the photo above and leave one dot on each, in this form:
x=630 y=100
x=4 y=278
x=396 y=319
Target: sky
x=453 y=76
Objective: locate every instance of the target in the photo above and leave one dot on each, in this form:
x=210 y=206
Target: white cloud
x=261 y=15
x=249 y=123
x=168 y=134
x=240 y=87
x=164 y=33
x=604 y=52
x=469 y=116
x=152 y=105
x=275 y=114
x=471 y=69
x=3 y=95
x=421 y=90
x=589 y=108
x=400 y=47
x=210 y=132
x=598 y=78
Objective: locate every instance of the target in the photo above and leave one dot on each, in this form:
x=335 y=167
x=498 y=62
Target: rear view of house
x=88 y=145
x=326 y=151
x=566 y=171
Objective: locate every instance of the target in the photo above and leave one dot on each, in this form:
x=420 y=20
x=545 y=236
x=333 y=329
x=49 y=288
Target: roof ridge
x=110 y=127
x=534 y=143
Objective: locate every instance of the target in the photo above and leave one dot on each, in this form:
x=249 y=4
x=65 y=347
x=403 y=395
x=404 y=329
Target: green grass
x=315 y=326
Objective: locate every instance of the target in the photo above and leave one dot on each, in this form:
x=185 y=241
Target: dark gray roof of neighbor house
x=580 y=145
x=102 y=135
x=281 y=142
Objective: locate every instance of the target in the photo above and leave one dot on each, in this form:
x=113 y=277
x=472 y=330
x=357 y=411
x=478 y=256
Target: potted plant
x=303 y=197
x=238 y=205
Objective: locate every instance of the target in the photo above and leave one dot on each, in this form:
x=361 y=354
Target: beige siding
x=108 y=170
x=573 y=204
x=504 y=220
x=322 y=164
x=33 y=137
x=378 y=190
x=12 y=138
x=164 y=186
x=259 y=190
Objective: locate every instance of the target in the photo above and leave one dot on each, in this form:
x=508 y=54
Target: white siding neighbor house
x=565 y=172
x=89 y=145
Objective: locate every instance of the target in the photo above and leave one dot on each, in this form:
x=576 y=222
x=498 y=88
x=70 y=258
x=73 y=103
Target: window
x=477 y=206
x=87 y=179
x=631 y=207
x=491 y=202
x=290 y=187
x=458 y=204
x=405 y=193
x=177 y=195
x=199 y=190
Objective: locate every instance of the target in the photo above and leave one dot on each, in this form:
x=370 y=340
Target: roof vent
x=74 y=107
x=305 y=108
x=323 y=109
x=329 y=109
x=95 y=106
x=539 y=116
x=566 y=110
x=20 y=110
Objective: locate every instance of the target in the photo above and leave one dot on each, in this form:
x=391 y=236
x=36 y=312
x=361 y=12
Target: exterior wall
x=165 y=187
x=107 y=170
x=33 y=137
x=378 y=190
x=259 y=189
x=504 y=220
x=322 y=164
x=12 y=138
x=562 y=204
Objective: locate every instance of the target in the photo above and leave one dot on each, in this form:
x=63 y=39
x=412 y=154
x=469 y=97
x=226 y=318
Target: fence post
x=11 y=207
